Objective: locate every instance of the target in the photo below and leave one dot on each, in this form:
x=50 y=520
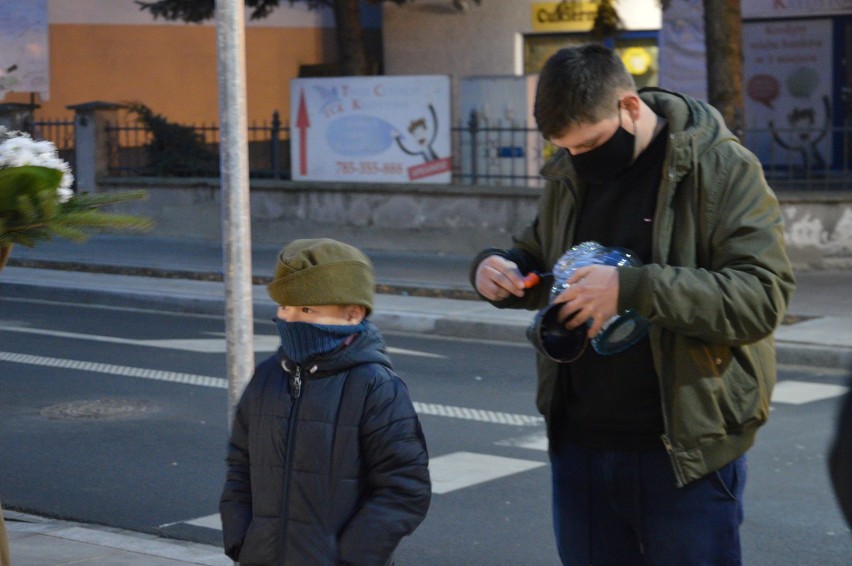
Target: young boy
x=327 y=463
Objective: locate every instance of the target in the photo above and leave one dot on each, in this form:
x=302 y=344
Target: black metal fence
x=268 y=148
x=60 y=132
x=486 y=153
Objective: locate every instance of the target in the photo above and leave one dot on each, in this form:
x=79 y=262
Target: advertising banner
x=384 y=129
x=788 y=79
x=683 y=65
x=794 y=8
x=24 y=54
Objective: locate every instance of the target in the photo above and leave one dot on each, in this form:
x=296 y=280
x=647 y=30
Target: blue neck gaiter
x=302 y=341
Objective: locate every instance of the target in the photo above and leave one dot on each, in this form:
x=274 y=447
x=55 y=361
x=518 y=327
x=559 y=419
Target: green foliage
x=30 y=210
x=175 y=150
x=195 y=11
x=607 y=21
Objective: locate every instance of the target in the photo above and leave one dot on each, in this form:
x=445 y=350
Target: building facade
x=110 y=50
x=797 y=61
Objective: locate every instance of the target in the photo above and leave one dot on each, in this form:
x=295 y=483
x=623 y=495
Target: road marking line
x=537 y=441
x=794 y=392
x=433 y=409
x=213 y=521
x=465 y=469
x=111 y=369
x=480 y=415
x=262 y=342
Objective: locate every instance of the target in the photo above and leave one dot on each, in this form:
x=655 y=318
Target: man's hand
x=497 y=278
x=592 y=294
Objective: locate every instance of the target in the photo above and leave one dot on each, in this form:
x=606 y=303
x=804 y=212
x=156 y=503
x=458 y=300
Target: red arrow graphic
x=303 y=123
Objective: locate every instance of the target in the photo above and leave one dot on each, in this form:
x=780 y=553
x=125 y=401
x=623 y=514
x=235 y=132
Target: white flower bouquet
x=37 y=202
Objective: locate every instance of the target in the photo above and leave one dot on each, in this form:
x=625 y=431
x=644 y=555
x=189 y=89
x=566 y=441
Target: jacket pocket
x=262 y=542
x=743 y=398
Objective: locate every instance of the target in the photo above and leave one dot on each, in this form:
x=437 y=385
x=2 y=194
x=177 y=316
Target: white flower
x=65 y=194
x=18 y=149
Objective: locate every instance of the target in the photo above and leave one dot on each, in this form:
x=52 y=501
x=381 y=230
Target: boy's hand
x=497 y=278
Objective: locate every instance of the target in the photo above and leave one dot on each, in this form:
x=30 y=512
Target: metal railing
x=500 y=153
x=804 y=158
x=58 y=131
x=268 y=151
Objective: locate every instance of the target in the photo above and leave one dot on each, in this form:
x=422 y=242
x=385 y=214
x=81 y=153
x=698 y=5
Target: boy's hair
x=579 y=85
x=322 y=272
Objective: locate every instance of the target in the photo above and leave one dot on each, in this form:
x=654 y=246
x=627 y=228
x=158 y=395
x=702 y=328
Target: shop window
x=640 y=54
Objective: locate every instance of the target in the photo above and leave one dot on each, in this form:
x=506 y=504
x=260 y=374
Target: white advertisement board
x=388 y=129
x=788 y=80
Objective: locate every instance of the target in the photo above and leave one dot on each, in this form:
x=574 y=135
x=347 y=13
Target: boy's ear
x=356 y=313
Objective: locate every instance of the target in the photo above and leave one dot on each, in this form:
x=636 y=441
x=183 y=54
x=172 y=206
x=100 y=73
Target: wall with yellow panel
x=172 y=68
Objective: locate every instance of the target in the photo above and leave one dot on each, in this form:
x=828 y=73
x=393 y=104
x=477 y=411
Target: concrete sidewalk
x=421 y=293
x=38 y=541
x=418 y=292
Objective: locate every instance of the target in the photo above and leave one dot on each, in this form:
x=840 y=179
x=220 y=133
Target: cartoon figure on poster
x=788 y=78
x=420 y=136
x=807 y=123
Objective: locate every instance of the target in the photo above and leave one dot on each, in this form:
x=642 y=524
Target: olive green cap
x=322 y=272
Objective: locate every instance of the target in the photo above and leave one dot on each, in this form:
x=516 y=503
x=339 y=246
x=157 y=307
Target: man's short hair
x=579 y=85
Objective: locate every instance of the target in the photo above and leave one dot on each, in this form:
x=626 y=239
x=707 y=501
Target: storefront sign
x=568 y=15
x=371 y=129
x=794 y=8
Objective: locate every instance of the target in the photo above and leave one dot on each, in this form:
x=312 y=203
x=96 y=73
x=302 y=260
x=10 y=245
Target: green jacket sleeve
x=737 y=288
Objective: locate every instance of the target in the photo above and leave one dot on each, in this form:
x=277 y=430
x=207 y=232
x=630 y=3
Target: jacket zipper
x=296 y=397
x=666 y=436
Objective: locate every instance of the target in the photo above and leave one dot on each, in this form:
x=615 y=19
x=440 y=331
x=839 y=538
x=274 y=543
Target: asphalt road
x=118 y=417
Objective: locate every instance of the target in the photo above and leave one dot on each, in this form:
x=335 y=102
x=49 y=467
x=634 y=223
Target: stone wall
x=431 y=218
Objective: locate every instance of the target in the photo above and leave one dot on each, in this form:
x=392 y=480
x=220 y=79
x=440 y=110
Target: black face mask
x=608 y=161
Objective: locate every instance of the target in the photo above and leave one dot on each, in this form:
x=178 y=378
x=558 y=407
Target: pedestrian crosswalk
x=465 y=469
x=451 y=472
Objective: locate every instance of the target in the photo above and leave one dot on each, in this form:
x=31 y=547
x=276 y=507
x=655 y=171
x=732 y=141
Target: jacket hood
x=694 y=127
x=367 y=347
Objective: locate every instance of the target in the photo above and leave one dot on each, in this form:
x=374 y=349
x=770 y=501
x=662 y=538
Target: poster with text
x=371 y=129
x=682 y=48
x=788 y=82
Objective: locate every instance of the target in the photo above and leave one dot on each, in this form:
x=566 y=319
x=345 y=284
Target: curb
x=411 y=289
x=813 y=355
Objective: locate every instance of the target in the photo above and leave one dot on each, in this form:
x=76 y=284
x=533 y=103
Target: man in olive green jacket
x=659 y=172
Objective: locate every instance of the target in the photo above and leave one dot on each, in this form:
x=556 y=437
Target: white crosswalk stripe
x=465 y=469
x=495 y=417
x=793 y=392
x=536 y=441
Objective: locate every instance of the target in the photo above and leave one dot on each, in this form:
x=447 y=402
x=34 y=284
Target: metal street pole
x=236 y=217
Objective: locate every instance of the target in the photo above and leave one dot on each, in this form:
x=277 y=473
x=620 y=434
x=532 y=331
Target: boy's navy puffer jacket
x=327 y=463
